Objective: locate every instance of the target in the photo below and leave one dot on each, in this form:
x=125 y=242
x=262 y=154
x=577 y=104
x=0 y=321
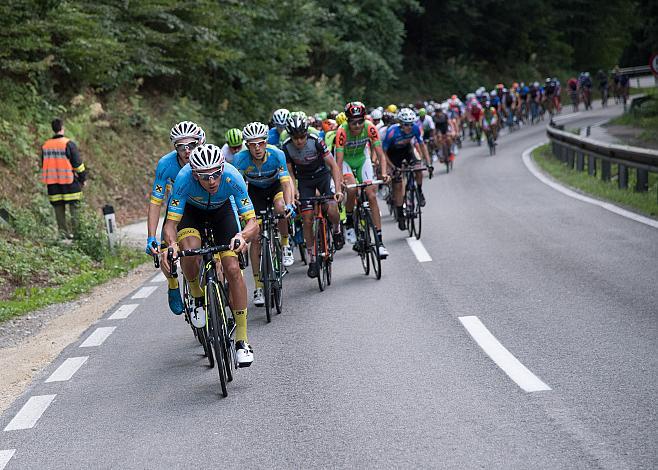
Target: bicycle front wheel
x=214 y=317
x=410 y=209
x=373 y=246
x=362 y=240
x=418 y=220
x=319 y=254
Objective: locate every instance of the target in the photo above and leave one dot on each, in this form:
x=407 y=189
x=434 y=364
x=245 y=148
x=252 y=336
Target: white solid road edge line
x=28 y=416
x=5 y=457
x=502 y=357
x=144 y=292
x=98 y=337
x=67 y=369
x=532 y=168
x=123 y=312
x=160 y=277
x=419 y=250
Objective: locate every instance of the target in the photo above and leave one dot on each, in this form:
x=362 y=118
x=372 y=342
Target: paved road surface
x=393 y=373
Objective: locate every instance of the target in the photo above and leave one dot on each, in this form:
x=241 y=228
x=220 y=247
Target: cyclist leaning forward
x=399 y=144
x=202 y=192
x=264 y=167
x=312 y=164
x=185 y=136
x=352 y=139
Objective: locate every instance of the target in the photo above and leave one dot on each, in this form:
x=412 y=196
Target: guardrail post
x=591 y=165
x=642 y=184
x=570 y=158
x=580 y=161
x=589 y=131
x=605 y=169
x=623 y=176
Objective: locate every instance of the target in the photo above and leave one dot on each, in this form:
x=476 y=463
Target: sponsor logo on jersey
x=175 y=202
x=158 y=188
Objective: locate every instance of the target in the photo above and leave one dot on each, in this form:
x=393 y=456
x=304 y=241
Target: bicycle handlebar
x=365 y=184
x=156 y=257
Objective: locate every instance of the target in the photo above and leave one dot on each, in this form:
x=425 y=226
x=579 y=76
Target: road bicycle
x=413 y=213
x=367 y=241
x=491 y=142
x=323 y=246
x=220 y=326
x=272 y=270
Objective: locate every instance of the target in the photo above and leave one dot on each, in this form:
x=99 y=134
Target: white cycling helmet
x=376 y=114
x=406 y=115
x=254 y=130
x=280 y=117
x=207 y=157
x=186 y=130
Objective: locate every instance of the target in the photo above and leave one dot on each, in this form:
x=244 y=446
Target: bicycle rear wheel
x=216 y=331
x=330 y=253
x=266 y=278
x=277 y=288
x=229 y=357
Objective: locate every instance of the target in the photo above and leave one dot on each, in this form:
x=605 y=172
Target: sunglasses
x=406 y=124
x=235 y=148
x=357 y=122
x=188 y=146
x=206 y=176
x=260 y=143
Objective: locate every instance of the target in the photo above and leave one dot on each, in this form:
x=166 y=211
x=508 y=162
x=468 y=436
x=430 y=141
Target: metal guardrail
x=588 y=154
x=633 y=71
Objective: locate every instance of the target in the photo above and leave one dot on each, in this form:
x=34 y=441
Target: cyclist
x=354 y=141
x=572 y=86
x=490 y=122
x=442 y=125
x=310 y=161
x=399 y=144
x=202 y=193
x=264 y=168
x=429 y=129
x=329 y=127
x=602 y=77
x=279 y=119
x=184 y=136
x=233 y=145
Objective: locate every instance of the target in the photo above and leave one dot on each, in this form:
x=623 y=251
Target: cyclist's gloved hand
x=290 y=210
x=430 y=169
x=149 y=245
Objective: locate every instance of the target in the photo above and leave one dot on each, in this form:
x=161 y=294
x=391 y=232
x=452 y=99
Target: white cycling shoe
x=350 y=235
x=198 y=317
x=244 y=353
x=383 y=252
x=288 y=258
x=259 y=297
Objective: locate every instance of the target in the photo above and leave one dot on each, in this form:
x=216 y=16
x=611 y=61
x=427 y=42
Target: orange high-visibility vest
x=56 y=168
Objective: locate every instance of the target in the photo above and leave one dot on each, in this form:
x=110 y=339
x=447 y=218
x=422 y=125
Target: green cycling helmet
x=422 y=112
x=234 y=137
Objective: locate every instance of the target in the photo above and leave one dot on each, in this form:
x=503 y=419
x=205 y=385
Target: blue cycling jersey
x=273 y=168
x=397 y=138
x=187 y=190
x=165 y=175
x=273 y=137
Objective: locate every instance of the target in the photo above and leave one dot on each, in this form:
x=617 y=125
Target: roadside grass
x=69 y=286
x=645 y=118
x=38 y=269
x=645 y=203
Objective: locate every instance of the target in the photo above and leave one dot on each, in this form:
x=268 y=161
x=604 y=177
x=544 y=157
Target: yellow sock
x=195 y=288
x=257 y=280
x=284 y=241
x=240 y=325
x=173 y=282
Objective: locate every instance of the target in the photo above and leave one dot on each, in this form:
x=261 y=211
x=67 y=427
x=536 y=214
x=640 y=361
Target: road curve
x=386 y=373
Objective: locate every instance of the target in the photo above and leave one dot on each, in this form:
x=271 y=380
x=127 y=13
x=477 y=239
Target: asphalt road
x=385 y=373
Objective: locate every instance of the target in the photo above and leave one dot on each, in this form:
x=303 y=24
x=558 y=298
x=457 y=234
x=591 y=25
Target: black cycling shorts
x=223 y=223
x=398 y=156
x=308 y=187
x=264 y=197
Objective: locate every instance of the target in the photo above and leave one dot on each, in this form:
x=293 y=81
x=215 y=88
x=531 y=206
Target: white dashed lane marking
x=502 y=357
x=419 y=250
x=67 y=369
x=98 y=336
x=5 y=456
x=144 y=292
x=28 y=416
x=160 y=277
x=123 y=312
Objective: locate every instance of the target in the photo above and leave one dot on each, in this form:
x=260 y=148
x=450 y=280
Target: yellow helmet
x=341 y=119
x=391 y=108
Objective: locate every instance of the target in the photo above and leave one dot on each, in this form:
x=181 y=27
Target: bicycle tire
x=418 y=222
x=319 y=259
x=278 y=282
x=373 y=246
x=213 y=305
x=229 y=359
x=265 y=278
x=330 y=257
x=410 y=208
x=188 y=304
x=361 y=240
